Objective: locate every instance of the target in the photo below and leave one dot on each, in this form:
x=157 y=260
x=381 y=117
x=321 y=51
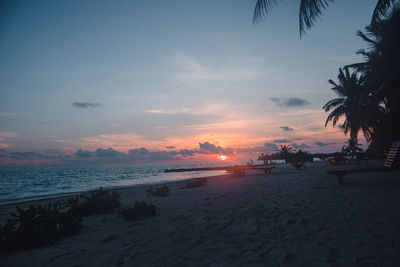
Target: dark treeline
x=369 y=92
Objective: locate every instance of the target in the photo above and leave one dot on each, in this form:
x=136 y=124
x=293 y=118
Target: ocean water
x=27 y=182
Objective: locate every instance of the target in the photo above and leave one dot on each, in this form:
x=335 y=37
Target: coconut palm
x=351 y=147
x=381 y=70
x=350 y=90
x=286 y=149
x=310 y=10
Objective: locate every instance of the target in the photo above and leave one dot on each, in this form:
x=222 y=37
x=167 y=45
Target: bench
x=239 y=170
x=361 y=158
x=267 y=168
x=298 y=164
x=388 y=165
x=338 y=158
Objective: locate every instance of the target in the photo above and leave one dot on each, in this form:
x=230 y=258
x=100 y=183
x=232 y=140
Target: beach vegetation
x=311 y=10
x=37 y=226
x=196 y=182
x=250 y=162
x=97 y=202
x=139 y=209
x=162 y=191
x=236 y=171
x=351 y=147
x=286 y=149
x=369 y=96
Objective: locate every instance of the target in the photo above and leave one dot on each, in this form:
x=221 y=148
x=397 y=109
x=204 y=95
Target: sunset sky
x=166 y=80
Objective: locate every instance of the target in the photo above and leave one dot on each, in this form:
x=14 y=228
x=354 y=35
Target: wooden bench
x=239 y=170
x=337 y=159
x=267 y=168
x=361 y=158
x=388 y=165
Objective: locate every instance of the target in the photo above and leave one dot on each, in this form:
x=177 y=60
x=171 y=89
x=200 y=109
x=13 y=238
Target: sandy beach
x=290 y=217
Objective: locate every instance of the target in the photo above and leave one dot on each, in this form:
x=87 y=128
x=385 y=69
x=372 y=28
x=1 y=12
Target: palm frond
x=310 y=10
x=335 y=115
x=262 y=9
x=381 y=9
x=365 y=37
x=333 y=103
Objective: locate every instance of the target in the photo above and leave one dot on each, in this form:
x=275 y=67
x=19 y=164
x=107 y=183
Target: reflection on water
x=36 y=181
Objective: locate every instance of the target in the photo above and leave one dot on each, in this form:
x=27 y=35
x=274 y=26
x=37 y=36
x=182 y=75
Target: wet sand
x=287 y=218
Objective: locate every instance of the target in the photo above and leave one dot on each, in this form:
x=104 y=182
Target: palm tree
x=286 y=149
x=351 y=147
x=310 y=10
x=349 y=104
x=381 y=70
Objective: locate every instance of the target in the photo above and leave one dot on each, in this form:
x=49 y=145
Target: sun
x=222 y=157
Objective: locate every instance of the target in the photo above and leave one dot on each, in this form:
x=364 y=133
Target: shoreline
x=138 y=179
x=62 y=198
x=287 y=218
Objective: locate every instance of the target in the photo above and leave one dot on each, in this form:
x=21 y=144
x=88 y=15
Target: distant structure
x=267 y=161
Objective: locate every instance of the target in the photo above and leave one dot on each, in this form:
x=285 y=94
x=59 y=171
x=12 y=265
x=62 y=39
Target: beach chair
x=298 y=164
x=389 y=164
x=361 y=158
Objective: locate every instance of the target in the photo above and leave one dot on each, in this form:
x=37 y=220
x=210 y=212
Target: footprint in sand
x=110 y=238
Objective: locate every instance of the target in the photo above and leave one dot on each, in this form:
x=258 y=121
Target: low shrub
x=37 y=226
x=196 y=182
x=140 y=209
x=97 y=202
x=162 y=191
x=236 y=171
x=298 y=165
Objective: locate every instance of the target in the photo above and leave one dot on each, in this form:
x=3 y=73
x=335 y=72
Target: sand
x=290 y=217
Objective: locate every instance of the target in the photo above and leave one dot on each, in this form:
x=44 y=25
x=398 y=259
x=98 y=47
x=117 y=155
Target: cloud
x=138 y=152
x=142 y=154
x=286 y=128
x=324 y=144
x=30 y=155
x=250 y=150
x=194 y=72
x=208 y=148
x=183 y=152
x=4 y=138
x=83 y=153
x=282 y=141
x=85 y=105
x=271 y=146
x=302 y=146
x=266 y=148
x=107 y=153
x=290 y=102
x=170 y=147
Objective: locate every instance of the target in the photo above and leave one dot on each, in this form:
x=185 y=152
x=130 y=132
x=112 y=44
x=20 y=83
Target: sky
x=152 y=81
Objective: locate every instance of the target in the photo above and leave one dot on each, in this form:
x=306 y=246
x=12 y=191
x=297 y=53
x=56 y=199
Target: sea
x=19 y=183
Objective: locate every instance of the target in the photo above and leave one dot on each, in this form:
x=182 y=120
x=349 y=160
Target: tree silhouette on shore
x=310 y=10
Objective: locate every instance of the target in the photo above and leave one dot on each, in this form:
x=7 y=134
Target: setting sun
x=222 y=157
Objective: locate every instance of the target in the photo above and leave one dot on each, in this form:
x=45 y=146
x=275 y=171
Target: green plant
x=196 y=182
x=97 y=202
x=140 y=209
x=236 y=171
x=162 y=191
x=37 y=226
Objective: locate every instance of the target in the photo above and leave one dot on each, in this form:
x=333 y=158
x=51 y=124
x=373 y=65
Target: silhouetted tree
x=349 y=105
x=381 y=70
x=351 y=147
x=286 y=149
x=310 y=10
